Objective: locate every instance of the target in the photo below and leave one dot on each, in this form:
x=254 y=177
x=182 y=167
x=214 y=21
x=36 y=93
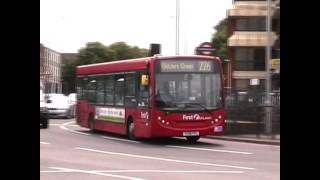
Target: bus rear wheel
x=91 y=123
x=131 y=128
x=193 y=139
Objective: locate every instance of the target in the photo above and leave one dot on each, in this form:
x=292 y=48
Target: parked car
x=59 y=107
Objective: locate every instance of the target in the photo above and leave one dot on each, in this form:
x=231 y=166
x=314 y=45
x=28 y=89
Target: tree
x=68 y=76
x=124 y=51
x=96 y=52
x=219 y=39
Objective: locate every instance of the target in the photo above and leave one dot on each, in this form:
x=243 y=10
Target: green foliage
x=219 y=39
x=96 y=52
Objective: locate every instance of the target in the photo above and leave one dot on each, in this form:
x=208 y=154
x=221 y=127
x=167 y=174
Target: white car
x=58 y=106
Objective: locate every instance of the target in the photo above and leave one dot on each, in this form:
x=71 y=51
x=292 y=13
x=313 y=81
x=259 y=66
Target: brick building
x=247 y=40
x=50 y=70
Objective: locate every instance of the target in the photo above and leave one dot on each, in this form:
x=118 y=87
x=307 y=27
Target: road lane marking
x=148 y=171
x=63 y=126
x=205 y=149
x=97 y=173
x=118 y=139
x=73 y=125
x=57 y=171
x=165 y=171
x=41 y=142
x=164 y=159
x=239 y=142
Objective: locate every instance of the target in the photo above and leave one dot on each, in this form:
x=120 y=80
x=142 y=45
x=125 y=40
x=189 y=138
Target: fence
x=246 y=112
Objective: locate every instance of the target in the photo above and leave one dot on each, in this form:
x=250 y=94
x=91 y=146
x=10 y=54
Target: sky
x=67 y=25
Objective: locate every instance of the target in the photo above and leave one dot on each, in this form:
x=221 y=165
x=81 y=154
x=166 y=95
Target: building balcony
x=249 y=74
x=250 y=39
x=251 y=8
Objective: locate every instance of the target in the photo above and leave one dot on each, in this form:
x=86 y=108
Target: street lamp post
x=268 y=104
x=177 y=25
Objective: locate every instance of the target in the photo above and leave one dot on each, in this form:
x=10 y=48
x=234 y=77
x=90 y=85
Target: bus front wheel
x=131 y=130
x=193 y=139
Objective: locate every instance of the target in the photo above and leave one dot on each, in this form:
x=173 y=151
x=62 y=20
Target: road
x=68 y=151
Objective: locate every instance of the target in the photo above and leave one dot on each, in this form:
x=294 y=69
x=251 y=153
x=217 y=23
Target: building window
x=241 y=84
x=251 y=24
x=249 y=59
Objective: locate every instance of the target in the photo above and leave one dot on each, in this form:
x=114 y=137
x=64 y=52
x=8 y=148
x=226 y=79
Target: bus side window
x=84 y=85
x=79 y=88
x=100 y=91
x=109 y=97
x=119 y=90
x=130 y=90
x=91 y=89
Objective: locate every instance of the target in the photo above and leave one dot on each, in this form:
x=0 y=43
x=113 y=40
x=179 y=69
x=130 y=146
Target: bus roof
x=124 y=65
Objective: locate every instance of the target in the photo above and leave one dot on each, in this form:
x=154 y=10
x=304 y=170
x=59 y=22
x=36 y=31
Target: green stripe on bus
x=111 y=119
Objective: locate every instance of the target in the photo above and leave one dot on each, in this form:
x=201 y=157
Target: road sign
x=206 y=49
x=275 y=64
x=254 y=82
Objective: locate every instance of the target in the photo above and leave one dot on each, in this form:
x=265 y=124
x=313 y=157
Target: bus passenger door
x=143 y=105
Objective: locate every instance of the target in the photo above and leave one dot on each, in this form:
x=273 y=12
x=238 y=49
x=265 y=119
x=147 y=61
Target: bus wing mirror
x=144 y=80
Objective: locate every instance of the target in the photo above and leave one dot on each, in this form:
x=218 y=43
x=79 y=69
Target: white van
x=58 y=106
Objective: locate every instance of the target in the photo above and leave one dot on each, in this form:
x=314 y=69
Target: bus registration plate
x=218 y=129
x=192 y=133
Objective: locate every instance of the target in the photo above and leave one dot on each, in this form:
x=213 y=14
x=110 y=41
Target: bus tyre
x=193 y=139
x=45 y=124
x=91 y=124
x=131 y=130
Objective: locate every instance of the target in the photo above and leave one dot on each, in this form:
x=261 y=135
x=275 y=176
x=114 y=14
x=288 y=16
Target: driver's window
x=144 y=91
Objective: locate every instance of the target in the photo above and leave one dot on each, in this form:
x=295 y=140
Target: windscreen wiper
x=199 y=104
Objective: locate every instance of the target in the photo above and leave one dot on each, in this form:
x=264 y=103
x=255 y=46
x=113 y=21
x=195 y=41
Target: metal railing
x=246 y=112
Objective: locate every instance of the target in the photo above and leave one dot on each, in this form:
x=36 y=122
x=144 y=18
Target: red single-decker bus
x=158 y=96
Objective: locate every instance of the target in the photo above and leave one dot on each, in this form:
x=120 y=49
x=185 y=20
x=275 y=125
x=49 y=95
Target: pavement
x=251 y=138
